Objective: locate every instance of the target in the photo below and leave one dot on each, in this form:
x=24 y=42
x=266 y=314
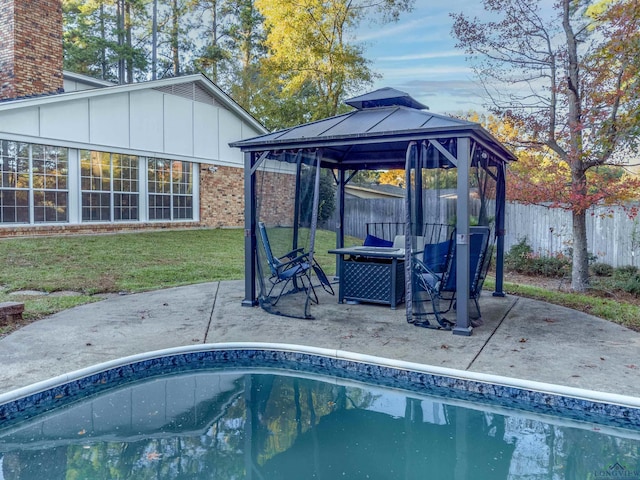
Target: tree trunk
x=175 y=41
x=154 y=41
x=120 y=24
x=580 y=267
x=580 y=270
x=103 y=49
x=128 y=41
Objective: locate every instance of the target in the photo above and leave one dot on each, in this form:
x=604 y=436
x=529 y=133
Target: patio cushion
x=435 y=256
x=373 y=241
x=399 y=242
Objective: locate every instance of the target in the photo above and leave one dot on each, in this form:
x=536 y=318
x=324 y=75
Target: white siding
x=109 y=120
x=230 y=131
x=249 y=132
x=146 y=123
x=205 y=131
x=73 y=86
x=22 y=121
x=178 y=125
x=65 y=121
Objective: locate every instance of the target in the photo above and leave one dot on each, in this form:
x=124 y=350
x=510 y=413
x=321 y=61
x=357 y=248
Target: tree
x=212 y=54
x=311 y=57
x=99 y=38
x=326 y=195
x=246 y=37
x=539 y=178
x=572 y=89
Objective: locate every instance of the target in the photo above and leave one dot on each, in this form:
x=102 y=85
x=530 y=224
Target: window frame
x=48 y=186
x=36 y=209
x=169 y=192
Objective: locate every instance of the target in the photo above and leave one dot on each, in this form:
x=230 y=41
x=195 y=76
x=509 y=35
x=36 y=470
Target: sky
x=417 y=55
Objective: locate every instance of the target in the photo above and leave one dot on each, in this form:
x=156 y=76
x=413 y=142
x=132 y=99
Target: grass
x=625 y=314
x=136 y=262
x=131 y=262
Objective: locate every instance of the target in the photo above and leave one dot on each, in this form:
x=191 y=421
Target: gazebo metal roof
x=375 y=135
x=379 y=134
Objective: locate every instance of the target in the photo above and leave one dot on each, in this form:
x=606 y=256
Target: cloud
x=422 y=72
x=421 y=56
x=444 y=96
x=393 y=30
x=456 y=88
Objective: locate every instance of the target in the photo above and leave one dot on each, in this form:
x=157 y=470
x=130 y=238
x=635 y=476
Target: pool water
x=255 y=424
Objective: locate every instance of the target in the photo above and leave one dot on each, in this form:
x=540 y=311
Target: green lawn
x=135 y=262
x=131 y=262
x=626 y=314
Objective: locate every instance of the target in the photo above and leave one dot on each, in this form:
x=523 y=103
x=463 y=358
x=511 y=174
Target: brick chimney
x=30 y=48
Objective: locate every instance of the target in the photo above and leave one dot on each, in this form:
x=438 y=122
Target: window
x=46 y=184
x=33 y=183
x=170 y=189
x=109 y=184
x=50 y=190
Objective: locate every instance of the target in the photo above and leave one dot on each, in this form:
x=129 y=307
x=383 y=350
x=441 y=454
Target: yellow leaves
x=392 y=177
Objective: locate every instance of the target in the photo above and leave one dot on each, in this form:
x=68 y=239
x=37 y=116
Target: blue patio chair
x=292 y=269
x=435 y=275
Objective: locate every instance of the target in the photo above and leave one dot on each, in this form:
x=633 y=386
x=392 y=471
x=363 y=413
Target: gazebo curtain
x=432 y=205
x=287 y=190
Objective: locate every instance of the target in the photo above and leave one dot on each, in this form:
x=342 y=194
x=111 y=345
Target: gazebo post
x=500 y=214
x=340 y=229
x=463 y=326
x=250 y=298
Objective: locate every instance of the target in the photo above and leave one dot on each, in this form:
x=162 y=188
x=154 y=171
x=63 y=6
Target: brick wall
x=276 y=194
x=221 y=196
x=30 y=47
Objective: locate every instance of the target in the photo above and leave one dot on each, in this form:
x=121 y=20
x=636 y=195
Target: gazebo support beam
x=250 y=297
x=500 y=213
x=463 y=325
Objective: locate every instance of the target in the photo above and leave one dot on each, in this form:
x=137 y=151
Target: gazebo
x=387 y=129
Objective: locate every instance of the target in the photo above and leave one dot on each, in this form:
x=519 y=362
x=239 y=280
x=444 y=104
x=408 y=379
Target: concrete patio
x=520 y=338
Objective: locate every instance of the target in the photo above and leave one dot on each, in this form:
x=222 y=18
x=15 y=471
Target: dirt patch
x=548 y=283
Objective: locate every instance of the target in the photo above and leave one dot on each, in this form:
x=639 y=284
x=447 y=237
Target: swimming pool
x=281 y=411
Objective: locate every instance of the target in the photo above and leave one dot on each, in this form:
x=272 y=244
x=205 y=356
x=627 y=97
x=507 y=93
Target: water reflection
x=262 y=426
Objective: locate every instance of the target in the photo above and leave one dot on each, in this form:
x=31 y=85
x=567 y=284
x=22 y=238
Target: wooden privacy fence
x=360 y=211
x=612 y=236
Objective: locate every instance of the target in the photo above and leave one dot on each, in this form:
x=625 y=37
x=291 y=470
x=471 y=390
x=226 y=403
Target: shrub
x=522 y=259
x=633 y=285
x=602 y=269
x=624 y=274
x=518 y=257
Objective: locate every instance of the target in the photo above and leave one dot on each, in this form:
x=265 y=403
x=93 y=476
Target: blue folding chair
x=435 y=275
x=292 y=268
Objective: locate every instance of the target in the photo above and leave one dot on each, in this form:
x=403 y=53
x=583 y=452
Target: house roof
x=376 y=134
x=375 y=190
x=86 y=79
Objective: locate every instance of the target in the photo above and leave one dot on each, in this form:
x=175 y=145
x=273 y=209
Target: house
x=80 y=155
x=382 y=191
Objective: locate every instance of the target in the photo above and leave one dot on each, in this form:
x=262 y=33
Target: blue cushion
x=435 y=256
x=372 y=241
